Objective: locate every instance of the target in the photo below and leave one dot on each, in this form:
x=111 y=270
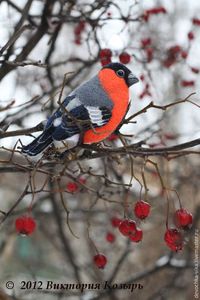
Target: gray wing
x=77 y=118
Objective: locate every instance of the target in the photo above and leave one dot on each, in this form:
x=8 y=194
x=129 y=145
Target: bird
x=90 y=113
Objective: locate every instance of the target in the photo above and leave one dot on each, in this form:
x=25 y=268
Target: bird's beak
x=132 y=79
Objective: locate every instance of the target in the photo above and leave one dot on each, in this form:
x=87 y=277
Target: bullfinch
x=90 y=114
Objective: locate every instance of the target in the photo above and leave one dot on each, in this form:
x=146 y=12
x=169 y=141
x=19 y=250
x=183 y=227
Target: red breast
x=118 y=92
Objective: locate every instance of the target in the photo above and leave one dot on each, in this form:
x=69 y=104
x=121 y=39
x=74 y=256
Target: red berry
x=145 y=93
x=167 y=63
x=172 y=55
x=72 y=187
x=173 y=239
x=110 y=237
x=194 y=70
x=190 y=35
x=105 y=53
x=152 y=11
x=105 y=56
x=77 y=30
x=156 y=10
x=77 y=41
x=184 y=54
x=142 y=77
x=82 y=24
x=145 y=16
x=187 y=83
x=25 y=225
x=196 y=21
x=82 y=180
x=105 y=61
x=113 y=137
x=149 y=54
x=163 y=10
x=124 y=58
x=127 y=227
x=183 y=218
x=169 y=136
x=142 y=95
x=136 y=236
x=79 y=27
x=145 y=42
x=175 y=49
x=142 y=209
x=100 y=261
x=115 y=221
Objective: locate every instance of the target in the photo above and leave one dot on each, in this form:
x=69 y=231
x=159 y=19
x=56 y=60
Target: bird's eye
x=120 y=73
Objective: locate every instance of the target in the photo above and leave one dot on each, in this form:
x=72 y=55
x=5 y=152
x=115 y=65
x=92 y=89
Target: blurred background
x=75 y=203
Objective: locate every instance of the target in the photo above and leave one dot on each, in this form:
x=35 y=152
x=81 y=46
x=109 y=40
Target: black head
x=123 y=72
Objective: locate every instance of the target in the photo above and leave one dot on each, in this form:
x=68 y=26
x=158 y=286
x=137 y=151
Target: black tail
x=39 y=144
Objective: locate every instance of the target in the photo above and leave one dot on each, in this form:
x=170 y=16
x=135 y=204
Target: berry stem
x=167 y=217
x=65 y=208
x=158 y=172
x=90 y=240
x=144 y=180
x=179 y=200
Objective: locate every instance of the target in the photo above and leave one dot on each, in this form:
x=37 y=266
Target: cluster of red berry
x=173 y=236
x=127 y=228
x=106 y=54
x=78 y=30
x=172 y=55
x=153 y=11
x=191 y=36
x=176 y=52
x=146 y=90
x=146 y=45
